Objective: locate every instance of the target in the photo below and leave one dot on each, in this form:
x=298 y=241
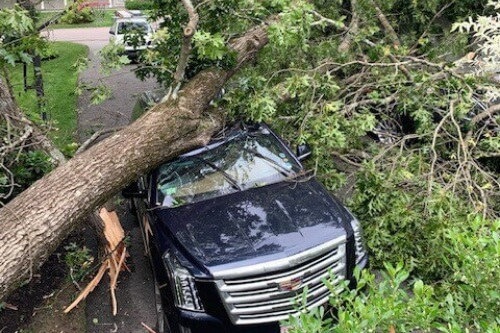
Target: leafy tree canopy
x=384 y=94
x=337 y=72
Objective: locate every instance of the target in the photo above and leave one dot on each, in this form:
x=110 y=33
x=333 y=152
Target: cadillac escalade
x=236 y=230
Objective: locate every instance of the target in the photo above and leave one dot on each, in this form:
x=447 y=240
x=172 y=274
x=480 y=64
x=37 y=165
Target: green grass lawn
x=59 y=81
x=104 y=18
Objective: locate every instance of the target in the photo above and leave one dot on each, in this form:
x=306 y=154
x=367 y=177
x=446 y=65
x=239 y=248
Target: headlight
x=185 y=292
x=358 y=240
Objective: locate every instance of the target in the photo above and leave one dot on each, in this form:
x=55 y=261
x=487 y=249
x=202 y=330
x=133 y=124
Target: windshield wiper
x=280 y=168
x=226 y=176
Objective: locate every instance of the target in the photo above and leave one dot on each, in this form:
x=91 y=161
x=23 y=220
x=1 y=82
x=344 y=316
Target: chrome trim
x=257 y=298
x=358 y=241
x=275 y=265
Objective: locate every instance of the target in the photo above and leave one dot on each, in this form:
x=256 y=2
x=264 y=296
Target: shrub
x=402 y=222
x=139 y=4
x=473 y=258
x=24 y=168
x=76 y=16
x=79 y=261
x=467 y=301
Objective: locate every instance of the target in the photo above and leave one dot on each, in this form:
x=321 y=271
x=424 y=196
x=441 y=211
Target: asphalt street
x=135 y=293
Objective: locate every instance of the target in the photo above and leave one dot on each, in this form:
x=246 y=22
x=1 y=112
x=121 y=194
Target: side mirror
x=111 y=32
x=303 y=151
x=133 y=191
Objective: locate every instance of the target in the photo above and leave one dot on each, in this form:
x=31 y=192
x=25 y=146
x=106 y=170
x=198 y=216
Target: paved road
x=135 y=293
x=125 y=87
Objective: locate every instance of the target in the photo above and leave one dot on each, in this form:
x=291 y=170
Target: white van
x=133 y=30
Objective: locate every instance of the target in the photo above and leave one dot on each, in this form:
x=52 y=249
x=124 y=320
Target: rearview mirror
x=133 y=191
x=303 y=151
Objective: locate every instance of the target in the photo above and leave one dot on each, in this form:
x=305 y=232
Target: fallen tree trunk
x=34 y=223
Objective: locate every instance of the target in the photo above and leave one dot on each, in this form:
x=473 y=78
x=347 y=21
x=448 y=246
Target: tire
x=161 y=320
x=131 y=207
x=387 y=131
x=162 y=325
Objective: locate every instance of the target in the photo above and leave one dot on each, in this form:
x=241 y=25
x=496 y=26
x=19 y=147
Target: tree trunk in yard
x=34 y=223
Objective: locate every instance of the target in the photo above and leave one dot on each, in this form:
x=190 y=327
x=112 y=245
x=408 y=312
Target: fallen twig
x=10 y=306
x=115 y=261
x=149 y=329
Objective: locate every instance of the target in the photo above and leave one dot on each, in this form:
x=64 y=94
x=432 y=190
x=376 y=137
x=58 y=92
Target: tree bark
x=389 y=30
x=36 y=221
x=188 y=33
x=345 y=45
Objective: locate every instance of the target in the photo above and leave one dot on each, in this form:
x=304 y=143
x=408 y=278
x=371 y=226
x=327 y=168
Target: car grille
x=360 y=248
x=276 y=295
x=131 y=44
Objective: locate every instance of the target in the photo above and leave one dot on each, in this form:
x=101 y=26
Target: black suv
x=237 y=229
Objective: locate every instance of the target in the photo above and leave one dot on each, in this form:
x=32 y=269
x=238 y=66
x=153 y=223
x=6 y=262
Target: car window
x=128 y=27
x=245 y=161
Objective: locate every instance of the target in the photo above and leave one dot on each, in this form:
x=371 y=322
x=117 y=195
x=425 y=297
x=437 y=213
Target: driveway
x=135 y=292
x=125 y=87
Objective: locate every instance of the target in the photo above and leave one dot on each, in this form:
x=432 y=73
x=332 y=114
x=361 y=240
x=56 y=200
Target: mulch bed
x=21 y=306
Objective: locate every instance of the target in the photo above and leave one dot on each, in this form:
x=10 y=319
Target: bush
x=402 y=222
x=24 y=168
x=467 y=301
x=139 y=4
x=76 y=16
x=473 y=258
x=79 y=261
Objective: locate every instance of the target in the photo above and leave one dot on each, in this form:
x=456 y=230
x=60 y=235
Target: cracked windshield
x=244 y=161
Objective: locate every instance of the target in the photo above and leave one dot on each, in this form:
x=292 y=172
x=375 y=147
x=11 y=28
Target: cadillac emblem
x=291 y=285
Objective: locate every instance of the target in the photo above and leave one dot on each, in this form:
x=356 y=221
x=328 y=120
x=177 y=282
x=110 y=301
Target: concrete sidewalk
x=78 y=35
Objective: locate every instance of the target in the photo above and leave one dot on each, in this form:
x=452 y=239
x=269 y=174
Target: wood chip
x=149 y=329
x=11 y=307
x=115 y=261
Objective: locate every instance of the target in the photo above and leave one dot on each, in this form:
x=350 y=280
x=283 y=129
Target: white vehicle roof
x=131 y=15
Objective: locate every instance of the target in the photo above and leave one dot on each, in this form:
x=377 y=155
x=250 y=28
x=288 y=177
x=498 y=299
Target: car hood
x=256 y=225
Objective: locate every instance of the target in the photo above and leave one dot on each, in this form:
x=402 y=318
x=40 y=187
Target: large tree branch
x=345 y=45
x=36 y=221
x=389 y=30
x=248 y=46
x=188 y=33
x=479 y=117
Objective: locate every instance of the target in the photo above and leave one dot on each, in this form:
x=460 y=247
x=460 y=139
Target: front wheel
x=161 y=320
x=131 y=207
x=162 y=325
x=387 y=131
